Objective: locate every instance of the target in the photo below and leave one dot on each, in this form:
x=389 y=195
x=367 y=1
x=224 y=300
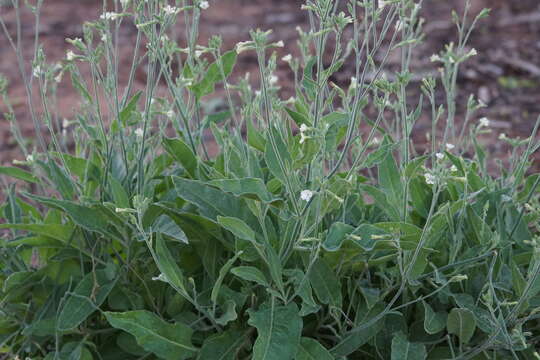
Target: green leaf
x=18 y=174
x=405 y=350
x=325 y=283
x=239 y=228
x=182 y=153
x=278 y=329
x=168 y=267
x=130 y=107
x=255 y=139
x=461 y=322
x=390 y=180
x=252 y=188
x=433 y=321
x=336 y=235
x=167 y=341
x=214 y=75
x=89 y=294
x=86 y=217
x=311 y=349
x=298 y=118
x=222 y=273
x=277 y=156
x=55 y=231
x=223 y=346
x=250 y=273
x=166 y=226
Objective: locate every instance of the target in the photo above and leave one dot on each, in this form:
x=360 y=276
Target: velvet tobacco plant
x=316 y=232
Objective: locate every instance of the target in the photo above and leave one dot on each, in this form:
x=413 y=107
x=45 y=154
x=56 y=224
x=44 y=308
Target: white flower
x=502 y=136
x=30 y=158
x=430 y=179
x=473 y=52
x=198 y=53
x=109 y=15
x=280 y=43
x=170 y=114
x=306 y=195
x=399 y=25
x=303 y=128
x=65 y=124
x=354 y=83
x=70 y=55
x=204 y=5
x=139 y=132
x=450 y=146
x=382 y=4
x=273 y=80
x=453 y=168
x=58 y=78
x=104 y=38
x=435 y=58
x=243 y=46
x=375 y=141
x=170 y=10
x=287 y=58
x=37 y=71
x=484 y=122
x=439 y=156
x=124 y=3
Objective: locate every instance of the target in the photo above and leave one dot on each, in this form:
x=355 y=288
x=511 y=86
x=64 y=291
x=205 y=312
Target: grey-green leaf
x=402 y=349
x=461 y=322
x=223 y=346
x=253 y=188
x=167 y=341
x=325 y=283
x=311 y=349
x=250 y=273
x=168 y=266
x=279 y=329
x=89 y=294
x=433 y=321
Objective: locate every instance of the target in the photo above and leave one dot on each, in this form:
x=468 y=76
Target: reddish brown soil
x=505 y=74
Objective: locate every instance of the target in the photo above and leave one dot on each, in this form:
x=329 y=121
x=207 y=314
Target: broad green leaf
x=379 y=155
x=255 y=139
x=182 y=153
x=86 y=298
x=277 y=156
x=167 y=341
x=311 y=349
x=86 y=217
x=390 y=181
x=55 y=231
x=74 y=351
x=303 y=290
x=250 y=273
x=433 y=321
x=168 y=266
x=298 y=118
x=213 y=74
x=336 y=235
x=223 y=346
x=213 y=202
x=278 y=332
x=252 y=188
x=120 y=196
x=402 y=349
x=130 y=107
x=166 y=226
x=222 y=273
x=461 y=322
x=239 y=228
x=17 y=173
x=128 y=343
x=325 y=283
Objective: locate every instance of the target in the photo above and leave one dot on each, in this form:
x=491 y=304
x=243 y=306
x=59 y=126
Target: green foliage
x=302 y=236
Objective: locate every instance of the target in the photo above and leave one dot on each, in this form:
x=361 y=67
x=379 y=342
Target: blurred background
x=505 y=75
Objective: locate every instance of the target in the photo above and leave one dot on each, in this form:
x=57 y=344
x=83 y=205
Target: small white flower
x=170 y=10
x=109 y=15
x=65 y=124
x=287 y=58
x=354 y=83
x=439 y=156
x=375 y=141
x=435 y=58
x=204 y=5
x=243 y=46
x=58 y=78
x=503 y=136
x=124 y=3
x=382 y=4
x=306 y=195
x=430 y=179
x=30 y=158
x=198 y=53
x=37 y=71
x=280 y=44
x=273 y=80
x=257 y=92
x=104 y=38
x=450 y=146
x=139 y=132
x=484 y=122
x=473 y=52
x=70 y=55
x=399 y=25
x=303 y=128
x=453 y=168
x=170 y=114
